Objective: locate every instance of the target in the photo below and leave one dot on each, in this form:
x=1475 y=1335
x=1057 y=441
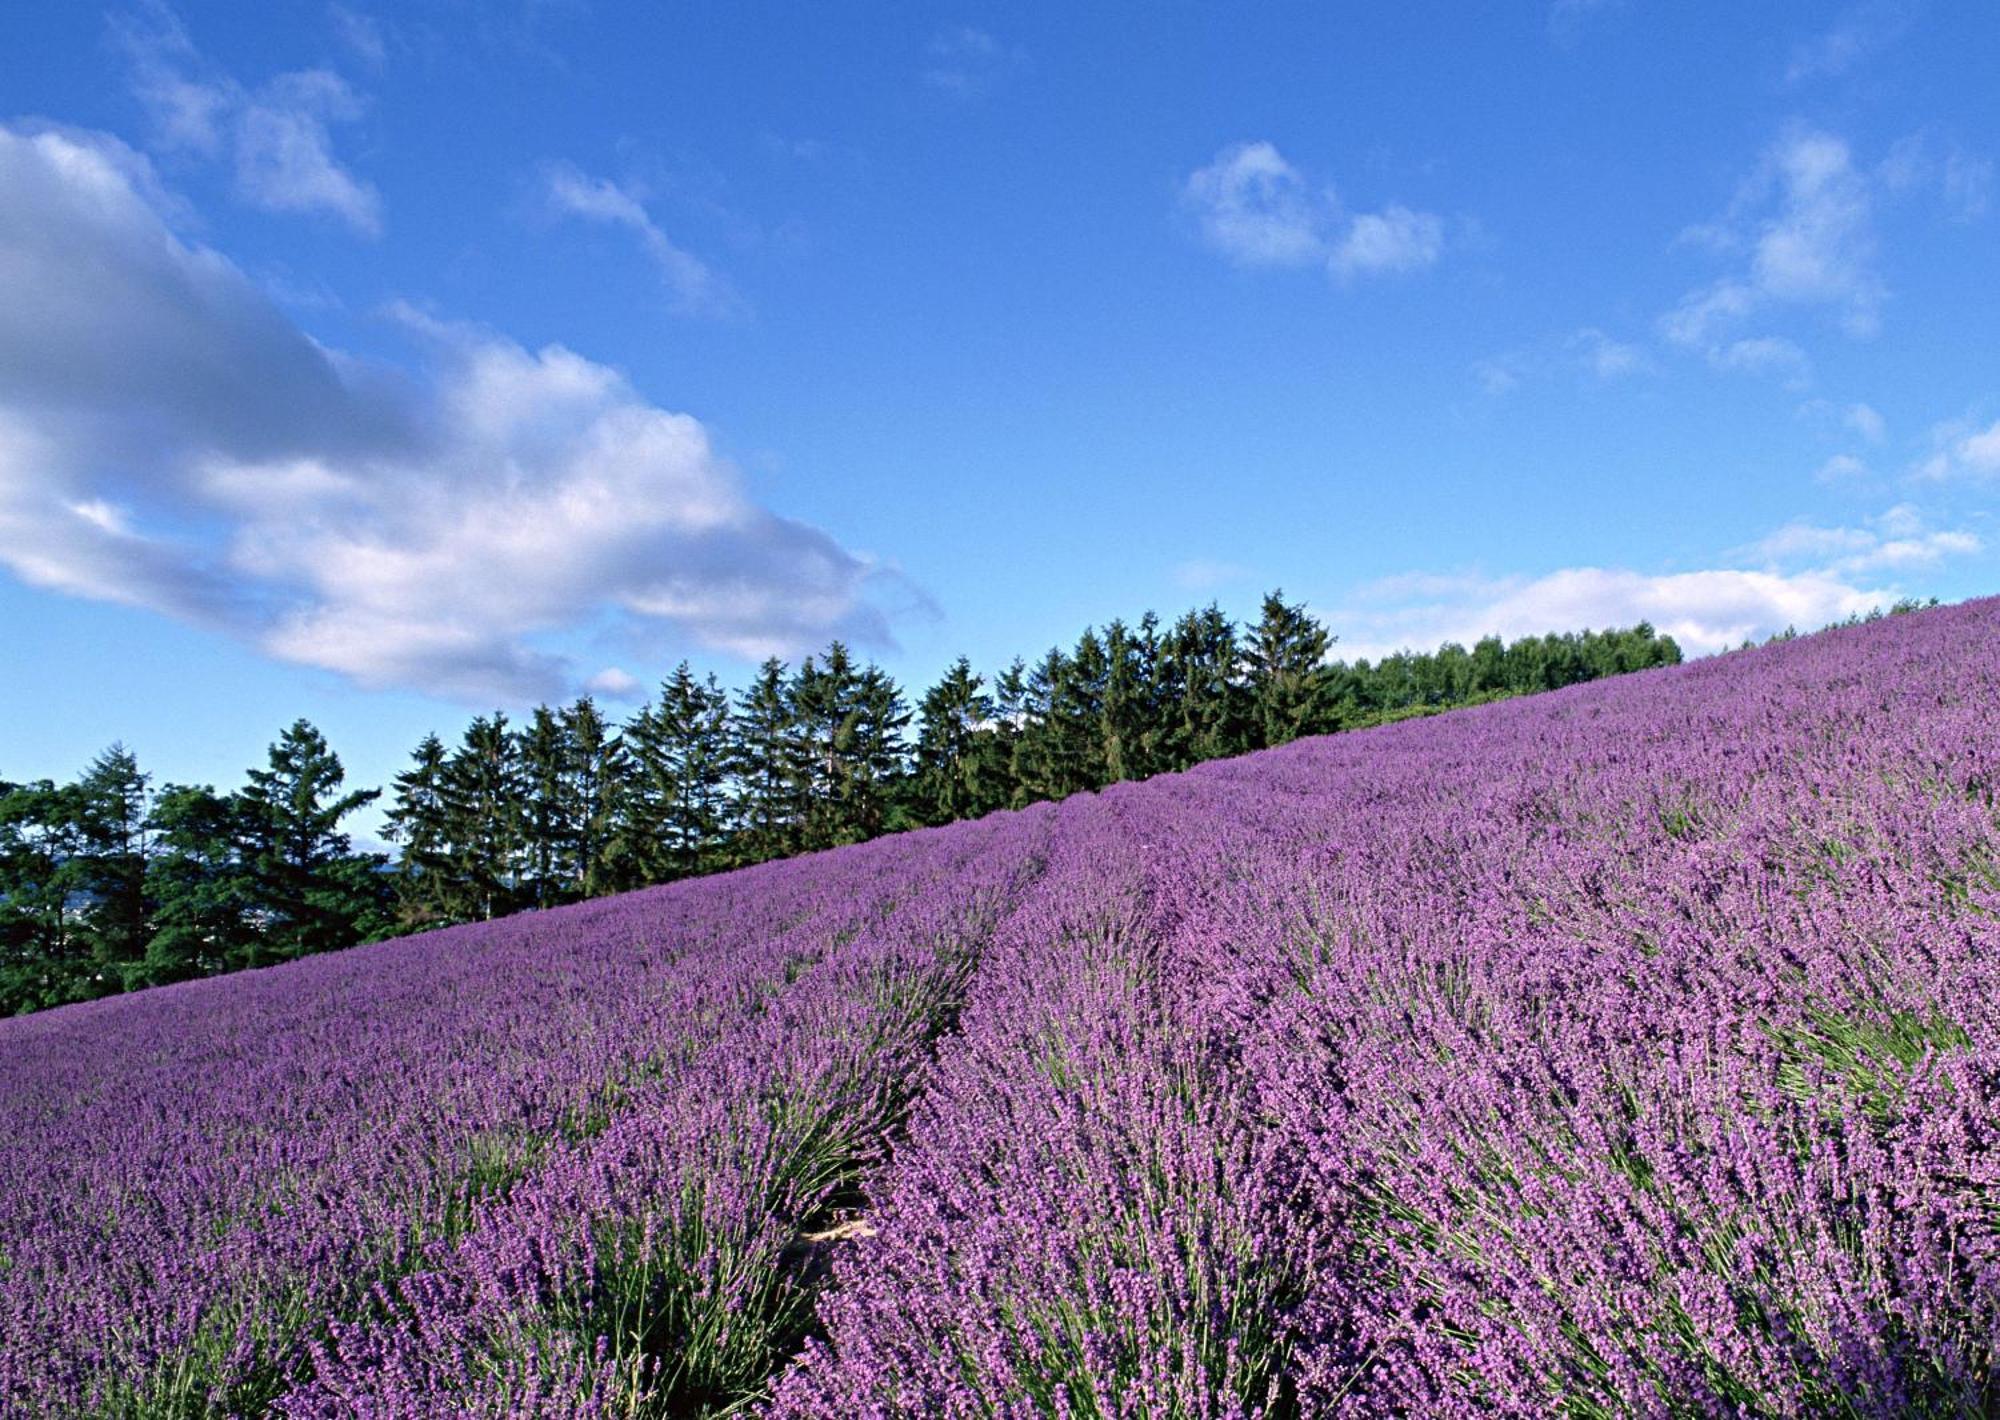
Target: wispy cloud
x=1859 y=32
x=693 y=286
x=278 y=136
x=1205 y=574
x=1963 y=449
x=1802 y=230
x=967 y=63
x=1589 y=353
x=1898 y=539
x=170 y=440
x=364 y=35
x=1257 y=210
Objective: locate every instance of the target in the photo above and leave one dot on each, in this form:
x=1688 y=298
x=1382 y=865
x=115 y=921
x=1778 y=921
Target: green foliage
x=103 y=889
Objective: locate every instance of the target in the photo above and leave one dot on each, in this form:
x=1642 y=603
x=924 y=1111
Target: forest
x=109 y=883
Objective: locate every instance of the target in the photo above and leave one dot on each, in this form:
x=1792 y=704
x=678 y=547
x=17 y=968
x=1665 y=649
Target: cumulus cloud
x=170 y=440
x=1802 y=231
x=693 y=287
x=1705 y=611
x=278 y=136
x=1802 y=574
x=1252 y=206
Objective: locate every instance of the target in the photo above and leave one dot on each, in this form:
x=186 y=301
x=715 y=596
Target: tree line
x=108 y=885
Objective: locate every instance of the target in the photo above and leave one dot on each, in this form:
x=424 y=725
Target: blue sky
x=381 y=364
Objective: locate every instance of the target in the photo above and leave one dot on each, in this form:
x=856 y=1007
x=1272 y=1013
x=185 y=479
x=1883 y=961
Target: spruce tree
x=768 y=766
x=950 y=771
x=483 y=793
x=548 y=814
x=314 y=891
x=203 y=890
x=419 y=822
x=108 y=870
x=1283 y=657
x=597 y=774
x=681 y=759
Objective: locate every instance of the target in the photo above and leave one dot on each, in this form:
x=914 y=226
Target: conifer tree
x=1282 y=661
x=951 y=772
x=483 y=792
x=768 y=767
x=681 y=758
x=313 y=890
x=203 y=891
x=548 y=814
x=597 y=770
x=108 y=870
x=419 y=821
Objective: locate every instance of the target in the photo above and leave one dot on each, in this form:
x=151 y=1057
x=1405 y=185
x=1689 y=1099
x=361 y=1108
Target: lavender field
x=1628 y=1050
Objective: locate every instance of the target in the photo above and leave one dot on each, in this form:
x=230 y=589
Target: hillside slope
x=1632 y=1049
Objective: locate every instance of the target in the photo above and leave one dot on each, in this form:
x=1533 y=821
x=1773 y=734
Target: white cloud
x=1840 y=468
x=1803 y=228
x=1865 y=421
x=278 y=137
x=1606 y=358
x=1858 y=33
x=1802 y=574
x=1204 y=574
x=1897 y=539
x=1588 y=352
x=1764 y=355
x=966 y=62
x=170 y=440
x=1962 y=449
x=694 y=287
x=363 y=34
x=1256 y=209
x=614 y=683
x=1392 y=240
x=284 y=150
x=1705 y=611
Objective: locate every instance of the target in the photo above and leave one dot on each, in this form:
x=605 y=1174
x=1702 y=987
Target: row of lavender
x=1632 y=1051
x=202 y=1186
x=1628 y=1051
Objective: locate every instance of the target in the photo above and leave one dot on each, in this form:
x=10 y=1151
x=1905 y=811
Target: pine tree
x=548 y=814
x=597 y=772
x=768 y=767
x=483 y=792
x=951 y=772
x=681 y=756
x=1204 y=705
x=312 y=889
x=204 y=892
x=40 y=953
x=109 y=870
x=419 y=822
x=1132 y=714
x=1283 y=657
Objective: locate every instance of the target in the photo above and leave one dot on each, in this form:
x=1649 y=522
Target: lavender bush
x=1628 y=1051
